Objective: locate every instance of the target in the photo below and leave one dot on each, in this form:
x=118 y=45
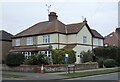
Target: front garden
x=104 y=56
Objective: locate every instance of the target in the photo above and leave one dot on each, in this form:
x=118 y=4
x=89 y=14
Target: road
x=111 y=76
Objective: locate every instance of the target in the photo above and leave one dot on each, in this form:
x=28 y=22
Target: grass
x=90 y=73
x=11 y=76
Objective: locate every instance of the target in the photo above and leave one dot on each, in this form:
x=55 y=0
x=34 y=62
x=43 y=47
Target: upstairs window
x=29 y=41
x=46 y=38
x=84 y=39
x=17 y=42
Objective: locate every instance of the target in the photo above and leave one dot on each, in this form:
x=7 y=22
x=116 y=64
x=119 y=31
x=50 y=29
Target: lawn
x=90 y=73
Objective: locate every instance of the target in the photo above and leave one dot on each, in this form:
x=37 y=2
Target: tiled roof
x=29 y=49
x=5 y=35
x=54 y=26
x=96 y=34
x=74 y=28
x=112 y=39
x=70 y=46
x=42 y=28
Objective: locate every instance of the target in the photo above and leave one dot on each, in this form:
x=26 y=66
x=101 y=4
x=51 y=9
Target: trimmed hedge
x=109 y=63
x=111 y=52
x=15 y=59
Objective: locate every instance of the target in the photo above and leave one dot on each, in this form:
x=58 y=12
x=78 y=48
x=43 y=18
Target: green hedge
x=15 y=59
x=59 y=54
x=36 y=60
x=110 y=52
x=87 y=56
x=109 y=63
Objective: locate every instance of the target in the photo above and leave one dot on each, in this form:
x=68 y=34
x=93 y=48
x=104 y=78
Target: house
x=43 y=36
x=113 y=39
x=5 y=44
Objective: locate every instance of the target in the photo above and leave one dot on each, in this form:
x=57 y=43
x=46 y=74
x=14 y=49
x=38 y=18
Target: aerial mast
x=48 y=8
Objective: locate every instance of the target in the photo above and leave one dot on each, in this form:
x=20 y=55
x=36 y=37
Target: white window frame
x=17 y=42
x=84 y=39
x=46 y=38
x=29 y=41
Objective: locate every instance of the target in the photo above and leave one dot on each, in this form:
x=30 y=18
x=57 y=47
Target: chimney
x=85 y=20
x=52 y=16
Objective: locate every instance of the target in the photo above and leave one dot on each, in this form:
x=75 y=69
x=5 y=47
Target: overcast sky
x=17 y=16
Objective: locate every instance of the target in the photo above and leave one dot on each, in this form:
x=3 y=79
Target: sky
x=16 y=16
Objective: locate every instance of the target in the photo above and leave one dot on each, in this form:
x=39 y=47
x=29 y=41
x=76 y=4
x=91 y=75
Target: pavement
x=110 y=76
x=45 y=76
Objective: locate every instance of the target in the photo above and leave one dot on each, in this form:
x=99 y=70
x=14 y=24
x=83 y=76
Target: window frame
x=84 y=39
x=29 y=41
x=17 y=42
x=46 y=39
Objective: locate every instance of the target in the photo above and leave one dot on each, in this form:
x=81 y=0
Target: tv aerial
x=48 y=8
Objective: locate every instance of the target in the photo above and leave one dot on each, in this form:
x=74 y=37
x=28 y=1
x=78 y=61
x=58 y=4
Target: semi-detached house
x=53 y=34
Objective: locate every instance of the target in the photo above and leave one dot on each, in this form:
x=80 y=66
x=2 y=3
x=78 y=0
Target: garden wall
x=49 y=68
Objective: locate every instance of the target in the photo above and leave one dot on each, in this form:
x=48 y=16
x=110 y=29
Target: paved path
x=110 y=76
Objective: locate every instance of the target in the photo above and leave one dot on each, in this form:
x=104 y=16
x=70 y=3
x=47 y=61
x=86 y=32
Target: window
x=29 y=41
x=46 y=39
x=84 y=39
x=95 y=41
x=99 y=42
x=17 y=43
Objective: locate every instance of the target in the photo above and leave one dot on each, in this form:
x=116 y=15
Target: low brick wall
x=49 y=68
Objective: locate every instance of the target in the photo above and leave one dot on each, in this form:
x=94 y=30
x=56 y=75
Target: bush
x=109 y=63
x=15 y=59
x=36 y=60
x=100 y=62
x=59 y=54
x=87 y=56
x=111 y=52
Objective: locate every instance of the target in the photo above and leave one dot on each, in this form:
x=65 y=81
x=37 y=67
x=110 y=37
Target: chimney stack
x=52 y=16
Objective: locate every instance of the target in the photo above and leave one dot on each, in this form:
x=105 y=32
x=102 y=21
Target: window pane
x=17 y=42
x=84 y=39
x=29 y=41
x=46 y=39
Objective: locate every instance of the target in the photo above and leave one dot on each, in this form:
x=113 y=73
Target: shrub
x=59 y=54
x=36 y=60
x=100 y=62
x=111 y=52
x=109 y=63
x=15 y=59
x=87 y=56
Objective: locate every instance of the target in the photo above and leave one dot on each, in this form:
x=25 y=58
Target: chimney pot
x=52 y=16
